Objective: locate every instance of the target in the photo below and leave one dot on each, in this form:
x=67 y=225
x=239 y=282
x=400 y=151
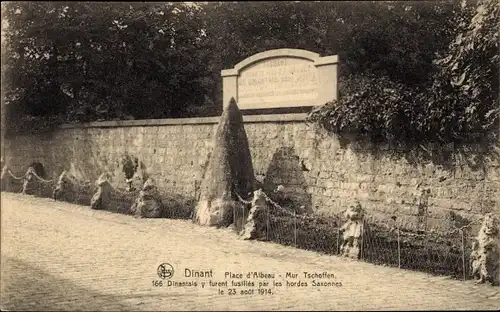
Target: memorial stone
x=281 y=78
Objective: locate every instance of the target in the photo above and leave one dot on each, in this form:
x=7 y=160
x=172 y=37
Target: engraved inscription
x=278 y=80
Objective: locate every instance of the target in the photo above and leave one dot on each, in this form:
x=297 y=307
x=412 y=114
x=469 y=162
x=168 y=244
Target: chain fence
x=436 y=252
x=81 y=193
x=383 y=242
x=120 y=200
x=29 y=183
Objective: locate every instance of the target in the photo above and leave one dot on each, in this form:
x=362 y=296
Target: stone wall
x=320 y=171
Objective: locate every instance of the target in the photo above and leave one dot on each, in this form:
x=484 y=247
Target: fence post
x=425 y=219
x=338 y=234
x=243 y=217
x=463 y=253
x=362 y=237
x=196 y=189
x=25 y=186
x=399 y=248
x=234 y=218
x=267 y=223
x=295 y=229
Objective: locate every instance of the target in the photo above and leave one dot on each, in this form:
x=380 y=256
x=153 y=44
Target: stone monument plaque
x=281 y=78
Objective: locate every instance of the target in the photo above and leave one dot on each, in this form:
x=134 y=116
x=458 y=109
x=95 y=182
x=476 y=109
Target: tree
x=397 y=39
x=460 y=103
x=464 y=98
x=84 y=61
x=102 y=61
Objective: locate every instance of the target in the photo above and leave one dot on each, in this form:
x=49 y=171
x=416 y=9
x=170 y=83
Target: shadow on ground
x=26 y=288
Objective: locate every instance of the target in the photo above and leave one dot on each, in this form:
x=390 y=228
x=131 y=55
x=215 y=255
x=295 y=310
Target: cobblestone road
x=59 y=256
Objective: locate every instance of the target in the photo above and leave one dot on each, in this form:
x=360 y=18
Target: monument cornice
x=277 y=53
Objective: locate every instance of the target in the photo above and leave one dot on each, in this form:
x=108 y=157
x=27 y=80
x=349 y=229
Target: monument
x=281 y=78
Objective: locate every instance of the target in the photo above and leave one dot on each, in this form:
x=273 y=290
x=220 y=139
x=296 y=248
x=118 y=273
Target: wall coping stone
x=279 y=118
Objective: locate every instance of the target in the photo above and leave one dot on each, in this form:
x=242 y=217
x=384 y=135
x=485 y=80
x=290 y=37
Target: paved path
x=59 y=256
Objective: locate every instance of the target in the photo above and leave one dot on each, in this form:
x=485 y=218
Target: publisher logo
x=165 y=271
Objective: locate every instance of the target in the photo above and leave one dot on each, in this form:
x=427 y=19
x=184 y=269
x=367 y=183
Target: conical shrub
x=229 y=171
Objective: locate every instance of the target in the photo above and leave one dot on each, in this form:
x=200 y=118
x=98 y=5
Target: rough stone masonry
x=285 y=151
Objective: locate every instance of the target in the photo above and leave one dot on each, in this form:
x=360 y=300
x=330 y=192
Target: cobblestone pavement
x=59 y=256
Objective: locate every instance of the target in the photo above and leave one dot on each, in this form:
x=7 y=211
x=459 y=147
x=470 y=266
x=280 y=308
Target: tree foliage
x=101 y=61
x=397 y=38
x=84 y=61
x=467 y=85
x=458 y=104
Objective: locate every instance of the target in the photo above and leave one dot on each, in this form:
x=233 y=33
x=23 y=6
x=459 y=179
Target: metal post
x=425 y=220
x=195 y=189
x=399 y=249
x=295 y=229
x=463 y=253
x=338 y=235
x=267 y=223
x=362 y=237
x=25 y=186
x=234 y=217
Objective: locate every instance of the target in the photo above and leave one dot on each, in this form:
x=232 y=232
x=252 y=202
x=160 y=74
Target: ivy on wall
x=459 y=104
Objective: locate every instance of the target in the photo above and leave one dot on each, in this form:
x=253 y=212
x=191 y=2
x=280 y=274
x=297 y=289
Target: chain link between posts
x=30 y=171
x=377 y=246
x=371 y=241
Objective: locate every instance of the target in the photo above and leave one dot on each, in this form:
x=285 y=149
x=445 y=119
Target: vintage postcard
x=250 y=156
